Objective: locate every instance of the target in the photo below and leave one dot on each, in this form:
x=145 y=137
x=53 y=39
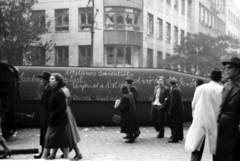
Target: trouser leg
x=176 y=127
x=154 y=119
x=161 y=119
x=197 y=155
x=4 y=144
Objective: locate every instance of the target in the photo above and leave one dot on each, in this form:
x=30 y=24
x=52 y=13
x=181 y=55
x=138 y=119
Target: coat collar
x=57 y=88
x=235 y=89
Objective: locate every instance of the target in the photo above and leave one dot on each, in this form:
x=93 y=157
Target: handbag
x=116 y=119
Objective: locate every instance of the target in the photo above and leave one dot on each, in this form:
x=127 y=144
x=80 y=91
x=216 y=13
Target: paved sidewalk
x=106 y=144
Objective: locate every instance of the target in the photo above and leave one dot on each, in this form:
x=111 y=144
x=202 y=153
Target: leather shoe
x=130 y=141
x=6 y=154
x=77 y=157
x=51 y=157
x=38 y=156
x=173 y=141
x=126 y=137
x=160 y=136
x=136 y=135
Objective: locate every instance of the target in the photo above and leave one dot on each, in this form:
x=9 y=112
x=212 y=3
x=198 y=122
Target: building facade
x=129 y=33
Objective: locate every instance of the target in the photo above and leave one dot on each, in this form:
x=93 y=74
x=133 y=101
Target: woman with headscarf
x=58 y=133
x=129 y=120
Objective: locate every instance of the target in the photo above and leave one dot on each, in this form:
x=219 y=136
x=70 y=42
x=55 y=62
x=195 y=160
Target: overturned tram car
x=94 y=91
x=10 y=99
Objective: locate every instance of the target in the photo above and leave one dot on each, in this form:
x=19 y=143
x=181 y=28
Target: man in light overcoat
x=205 y=106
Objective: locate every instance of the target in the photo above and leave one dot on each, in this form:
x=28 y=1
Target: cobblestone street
x=107 y=144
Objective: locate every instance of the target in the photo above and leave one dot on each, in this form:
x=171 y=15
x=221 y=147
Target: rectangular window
x=120 y=55
x=183 y=6
x=176 y=4
x=85 y=18
x=150 y=2
x=128 y=55
x=61 y=56
x=168 y=34
x=160 y=28
x=150 y=24
x=175 y=34
x=169 y=2
x=110 y=55
x=85 y=56
x=61 y=20
x=182 y=35
x=109 y=18
x=229 y=15
x=210 y=20
x=213 y=22
x=39 y=57
x=202 y=13
x=189 y=8
x=39 y=17
x=149 y=58
x=159 y=58
x=206 y=17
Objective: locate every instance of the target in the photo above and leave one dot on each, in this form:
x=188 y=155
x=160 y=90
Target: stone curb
x=21 y=151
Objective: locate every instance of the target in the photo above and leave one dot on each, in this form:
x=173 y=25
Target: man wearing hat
x=159 y=106
x=44 y=81
x=175 y=111
x=229 y=116
x=205 y=106
x=133 y=89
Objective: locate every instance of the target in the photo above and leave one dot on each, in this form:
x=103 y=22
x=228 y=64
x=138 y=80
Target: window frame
x=61 y=28
x=65 y=60
x=88 y=25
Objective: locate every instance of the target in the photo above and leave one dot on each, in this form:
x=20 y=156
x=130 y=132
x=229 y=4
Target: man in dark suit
x=175 y=111
x=44 y=81
x=159 y=106
x=228 y=142
x=133 y=89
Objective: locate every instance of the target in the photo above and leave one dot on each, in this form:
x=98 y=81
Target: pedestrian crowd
x=215 y=113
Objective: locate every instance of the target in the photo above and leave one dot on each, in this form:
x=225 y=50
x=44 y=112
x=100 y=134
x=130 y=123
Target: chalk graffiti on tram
x=94 y=90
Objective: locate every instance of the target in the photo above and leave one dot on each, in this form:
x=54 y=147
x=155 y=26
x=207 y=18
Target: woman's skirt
x=58 y=137
x=73 y=127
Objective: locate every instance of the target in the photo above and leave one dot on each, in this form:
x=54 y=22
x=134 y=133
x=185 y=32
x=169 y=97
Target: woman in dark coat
x=73 y=127
x=129 y=121
x=58 y=133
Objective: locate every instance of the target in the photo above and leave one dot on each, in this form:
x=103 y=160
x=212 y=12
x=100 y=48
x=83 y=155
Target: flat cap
x=129 y=79
x=173 y=81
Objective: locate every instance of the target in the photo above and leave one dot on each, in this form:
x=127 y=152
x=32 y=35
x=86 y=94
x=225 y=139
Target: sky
x=237 y=3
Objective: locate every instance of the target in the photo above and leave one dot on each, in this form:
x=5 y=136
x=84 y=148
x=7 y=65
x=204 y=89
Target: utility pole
x=92 y=29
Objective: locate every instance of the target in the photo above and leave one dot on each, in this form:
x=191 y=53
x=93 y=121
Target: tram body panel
x=94 y=91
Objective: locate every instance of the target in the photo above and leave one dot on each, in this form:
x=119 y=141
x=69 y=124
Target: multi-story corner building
x=232 y=20
x=129 y=33
x=209 y=17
